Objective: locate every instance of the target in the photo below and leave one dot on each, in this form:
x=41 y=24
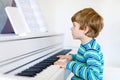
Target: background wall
x=57 y=14
x=5 y=25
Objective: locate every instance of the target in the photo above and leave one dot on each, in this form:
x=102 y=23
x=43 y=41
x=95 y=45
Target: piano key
x=50 y=71
x=34 y=70
x=28 y=74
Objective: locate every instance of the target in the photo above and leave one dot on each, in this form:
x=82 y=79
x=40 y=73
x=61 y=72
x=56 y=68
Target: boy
x=88 y=63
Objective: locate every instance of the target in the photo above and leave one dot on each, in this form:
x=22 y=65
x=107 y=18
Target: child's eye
x=74 y=25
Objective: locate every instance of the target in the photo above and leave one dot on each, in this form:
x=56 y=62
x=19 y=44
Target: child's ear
x=86 y=29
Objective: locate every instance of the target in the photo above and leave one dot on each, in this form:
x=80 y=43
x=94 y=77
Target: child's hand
x=67 y=57
x=61 y=64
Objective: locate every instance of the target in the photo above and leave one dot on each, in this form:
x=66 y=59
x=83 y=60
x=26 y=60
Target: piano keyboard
x=39 y=67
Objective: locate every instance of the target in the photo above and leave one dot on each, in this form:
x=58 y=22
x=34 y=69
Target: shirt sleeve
x=89 y=70
x=73 y=56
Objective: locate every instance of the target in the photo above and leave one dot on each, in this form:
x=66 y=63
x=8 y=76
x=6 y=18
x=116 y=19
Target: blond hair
x=89 y=17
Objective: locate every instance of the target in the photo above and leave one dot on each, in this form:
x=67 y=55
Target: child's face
x=77 y=33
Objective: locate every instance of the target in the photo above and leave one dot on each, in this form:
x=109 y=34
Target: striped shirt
x=88 y=63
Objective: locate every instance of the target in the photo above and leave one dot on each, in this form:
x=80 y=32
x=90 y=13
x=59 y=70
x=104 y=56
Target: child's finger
x=61 y=56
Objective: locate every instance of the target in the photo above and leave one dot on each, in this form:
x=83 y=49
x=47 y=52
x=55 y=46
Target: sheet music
x=29 y=9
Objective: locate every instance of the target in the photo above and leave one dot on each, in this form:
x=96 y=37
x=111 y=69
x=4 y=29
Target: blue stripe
x=80 y=58
x=73 y=68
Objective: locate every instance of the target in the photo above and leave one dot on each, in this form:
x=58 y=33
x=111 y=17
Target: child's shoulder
x=95 y=46
x=92 y=46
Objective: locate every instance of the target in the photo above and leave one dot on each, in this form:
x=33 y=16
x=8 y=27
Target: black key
x=28 y=74
x=34 y=70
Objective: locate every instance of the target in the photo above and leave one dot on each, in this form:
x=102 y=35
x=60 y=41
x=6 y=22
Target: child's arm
x=88 y=71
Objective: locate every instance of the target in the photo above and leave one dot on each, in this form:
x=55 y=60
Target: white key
x=48 y=72
x=59 y=75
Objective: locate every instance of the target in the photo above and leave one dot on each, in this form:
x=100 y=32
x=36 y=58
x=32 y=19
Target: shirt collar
x=89 y=44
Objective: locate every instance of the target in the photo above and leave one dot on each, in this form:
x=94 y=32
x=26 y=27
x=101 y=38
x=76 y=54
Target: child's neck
x=85 y=40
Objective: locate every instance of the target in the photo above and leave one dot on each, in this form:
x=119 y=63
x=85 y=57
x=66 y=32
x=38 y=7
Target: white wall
x=48 y=9
x=58 y=14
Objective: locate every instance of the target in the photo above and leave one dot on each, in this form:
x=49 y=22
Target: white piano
x=31 y=57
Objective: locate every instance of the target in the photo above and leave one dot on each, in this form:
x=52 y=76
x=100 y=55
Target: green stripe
x=84 y=72
x=77 y=70
x=89 y=45
x=82 y=49
x=70 y=65
x=96 y=69
x=92 y=53
x=79 y=57
x=92 y=75
x=95 y=46
x=93 y=61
